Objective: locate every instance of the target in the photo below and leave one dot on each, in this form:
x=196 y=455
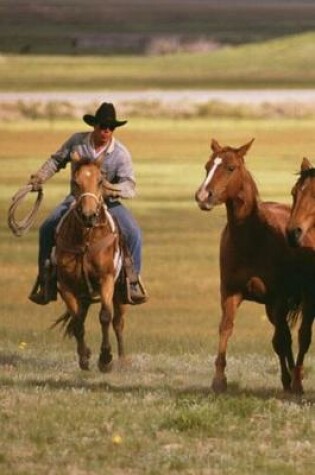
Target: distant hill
x=286 y=62
x=80 y=27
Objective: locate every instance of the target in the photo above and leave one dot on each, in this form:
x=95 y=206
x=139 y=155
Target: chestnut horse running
x=87 y=260
x=301 y=234
x=256 y=262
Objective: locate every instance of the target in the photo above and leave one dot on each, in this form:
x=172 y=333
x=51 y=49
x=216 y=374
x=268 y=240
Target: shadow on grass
x=82 y=381
x=15 y=360
x=7 y=359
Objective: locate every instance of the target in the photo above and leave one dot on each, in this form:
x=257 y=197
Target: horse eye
x=231 y=168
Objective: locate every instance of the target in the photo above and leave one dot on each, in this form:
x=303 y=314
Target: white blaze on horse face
x=203 y=194
x=217 y=161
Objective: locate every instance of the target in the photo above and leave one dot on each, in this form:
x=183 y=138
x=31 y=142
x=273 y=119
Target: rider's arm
x=124 y=176
x=54 y=163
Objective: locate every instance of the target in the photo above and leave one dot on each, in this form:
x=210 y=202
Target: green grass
x=157 y=414
x=287 y=62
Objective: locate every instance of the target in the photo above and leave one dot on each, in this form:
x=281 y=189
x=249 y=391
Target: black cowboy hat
x=105 y=115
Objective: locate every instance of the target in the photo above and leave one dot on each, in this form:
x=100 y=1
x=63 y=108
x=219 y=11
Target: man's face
x=102 y=134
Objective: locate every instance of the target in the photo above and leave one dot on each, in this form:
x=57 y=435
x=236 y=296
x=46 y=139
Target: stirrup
x=136 y=298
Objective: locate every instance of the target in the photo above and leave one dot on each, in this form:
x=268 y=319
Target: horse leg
x=229 y=306
x=282 y=340
x=105 y=361
x=118 y=325
x=304 y=341
x=78 y=311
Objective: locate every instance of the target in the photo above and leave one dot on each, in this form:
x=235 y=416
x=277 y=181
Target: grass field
x=157 y=414
x=287 y=62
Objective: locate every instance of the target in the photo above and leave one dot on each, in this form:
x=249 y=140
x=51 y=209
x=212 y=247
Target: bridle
x=92 y=195
x=99 y=202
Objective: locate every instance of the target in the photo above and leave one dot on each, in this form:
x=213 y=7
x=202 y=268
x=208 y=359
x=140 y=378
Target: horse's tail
x=66 y=322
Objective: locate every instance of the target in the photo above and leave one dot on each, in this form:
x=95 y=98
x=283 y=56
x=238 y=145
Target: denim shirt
x=116 y=165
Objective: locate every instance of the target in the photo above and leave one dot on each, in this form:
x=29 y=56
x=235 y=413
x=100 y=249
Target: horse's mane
x=309 y=172
x=253 y=182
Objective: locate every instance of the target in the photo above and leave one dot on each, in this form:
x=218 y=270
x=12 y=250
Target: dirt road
x=305 y=96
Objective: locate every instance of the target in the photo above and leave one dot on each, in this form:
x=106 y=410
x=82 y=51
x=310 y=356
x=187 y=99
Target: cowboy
x=117 y=168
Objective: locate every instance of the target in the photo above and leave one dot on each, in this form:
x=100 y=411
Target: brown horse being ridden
x=301 y=234
x=87 y=262
x=256 y=262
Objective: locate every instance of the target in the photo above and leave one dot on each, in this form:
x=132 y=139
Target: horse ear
x=75 y=157
x=306 y=164
x=215 y=146
x=244 y=148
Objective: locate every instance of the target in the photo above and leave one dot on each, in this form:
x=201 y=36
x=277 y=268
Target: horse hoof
x=84 y=361
x=297 y=377
x=287 y=390
x=105 y=362
x=286 y=384
x=219 y=385
x=105 y=367
x=84 y=364
x=297 y=388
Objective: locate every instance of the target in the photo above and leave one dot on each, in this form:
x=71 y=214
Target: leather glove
x=110 y=190
x=36 y=182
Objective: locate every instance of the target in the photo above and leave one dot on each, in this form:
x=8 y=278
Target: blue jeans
x=125 y=219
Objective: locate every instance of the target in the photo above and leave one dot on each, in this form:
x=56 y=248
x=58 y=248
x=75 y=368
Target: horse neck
x=243 y=207
x=71 y=230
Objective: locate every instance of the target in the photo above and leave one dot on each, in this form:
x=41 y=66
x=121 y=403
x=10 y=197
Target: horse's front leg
x=229 y=304
x=106 y=315
x=78 y=311
x=278 y=312
x=304 y=341
x=118 y=325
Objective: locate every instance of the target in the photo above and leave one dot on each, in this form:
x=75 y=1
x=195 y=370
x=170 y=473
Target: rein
x=19 y=228
x=98 y=201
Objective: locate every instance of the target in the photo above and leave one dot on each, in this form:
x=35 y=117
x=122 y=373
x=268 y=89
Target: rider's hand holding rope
x=19 y=228
x=36 y=182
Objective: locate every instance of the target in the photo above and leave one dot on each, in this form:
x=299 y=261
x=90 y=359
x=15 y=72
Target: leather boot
x=137 y=292
x=45 y=288
x=38 y=294
x=39 y=297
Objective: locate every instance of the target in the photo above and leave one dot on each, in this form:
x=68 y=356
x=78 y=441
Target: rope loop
x=19 y=228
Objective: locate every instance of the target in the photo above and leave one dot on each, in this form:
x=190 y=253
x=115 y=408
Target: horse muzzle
x=89 y=220
x=204 y=200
